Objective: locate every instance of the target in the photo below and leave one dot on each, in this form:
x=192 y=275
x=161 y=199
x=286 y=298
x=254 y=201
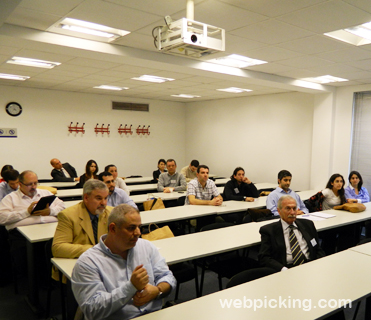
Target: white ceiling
x=286 y=33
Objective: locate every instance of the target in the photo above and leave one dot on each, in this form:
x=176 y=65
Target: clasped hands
x=146 y=292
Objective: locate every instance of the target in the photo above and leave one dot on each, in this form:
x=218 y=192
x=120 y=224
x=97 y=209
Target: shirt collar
x=285 y=225
x=283 y=191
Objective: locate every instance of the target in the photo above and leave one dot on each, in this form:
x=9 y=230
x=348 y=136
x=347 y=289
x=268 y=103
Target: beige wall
x=42 y=132
x=263 y=134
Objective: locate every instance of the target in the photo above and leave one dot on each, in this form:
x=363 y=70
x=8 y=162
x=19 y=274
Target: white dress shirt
x=14 y=213
x=302 y=243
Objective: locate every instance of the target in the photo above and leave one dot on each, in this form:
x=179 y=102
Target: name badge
x=173 y=181
x=313 y=242
x=236 y=190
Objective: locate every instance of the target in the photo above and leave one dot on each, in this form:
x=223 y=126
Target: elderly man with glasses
x=16 y=210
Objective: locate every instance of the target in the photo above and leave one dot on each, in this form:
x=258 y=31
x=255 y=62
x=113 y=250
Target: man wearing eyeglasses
x=16 y=207
x=15 y=211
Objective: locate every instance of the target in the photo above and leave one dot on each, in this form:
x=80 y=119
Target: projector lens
x=193 y=38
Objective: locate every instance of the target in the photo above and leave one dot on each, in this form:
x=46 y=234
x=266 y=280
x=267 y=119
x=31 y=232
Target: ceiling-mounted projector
x=189 y=38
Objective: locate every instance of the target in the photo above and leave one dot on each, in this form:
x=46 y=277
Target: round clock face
x=13 y=109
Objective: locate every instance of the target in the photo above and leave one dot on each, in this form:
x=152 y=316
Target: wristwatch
x=159 y=296
x=244 y=198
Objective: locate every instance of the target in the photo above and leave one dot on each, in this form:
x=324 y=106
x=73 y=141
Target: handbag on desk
x=153 y=204
x=158 y=234
x=351 y=207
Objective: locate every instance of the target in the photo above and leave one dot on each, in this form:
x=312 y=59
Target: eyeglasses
x=30 y=184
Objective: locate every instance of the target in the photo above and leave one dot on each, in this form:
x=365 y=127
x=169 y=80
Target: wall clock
x=13 y=109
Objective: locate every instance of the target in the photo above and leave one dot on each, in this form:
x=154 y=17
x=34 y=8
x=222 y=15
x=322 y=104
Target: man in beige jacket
x=75 y=231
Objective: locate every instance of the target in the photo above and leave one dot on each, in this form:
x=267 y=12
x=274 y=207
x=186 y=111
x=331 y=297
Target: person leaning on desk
x=288 y=242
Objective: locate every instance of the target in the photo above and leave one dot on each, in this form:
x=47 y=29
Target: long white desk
x=339 y=277
x=150 y=188
x=201 y=244
x=35 y=233
x=309 y=283
x=364 y=248
x=59 y=184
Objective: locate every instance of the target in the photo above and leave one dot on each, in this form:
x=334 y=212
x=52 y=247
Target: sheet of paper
x=322 y=215
x=309 y=217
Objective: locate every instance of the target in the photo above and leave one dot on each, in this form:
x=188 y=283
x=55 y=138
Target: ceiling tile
x=327 y=16
x=271 y=32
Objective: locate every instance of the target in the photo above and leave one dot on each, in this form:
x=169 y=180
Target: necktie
x=66 y=174
x=94 y=223
x=297 y=255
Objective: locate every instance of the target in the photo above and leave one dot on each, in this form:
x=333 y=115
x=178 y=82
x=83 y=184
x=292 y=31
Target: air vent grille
x=130 y=106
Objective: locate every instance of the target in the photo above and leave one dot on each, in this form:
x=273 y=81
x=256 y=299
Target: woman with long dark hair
x=332 y=195
x=354 y=192
x=91 y=172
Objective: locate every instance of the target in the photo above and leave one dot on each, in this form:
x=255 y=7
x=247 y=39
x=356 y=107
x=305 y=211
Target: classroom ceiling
x=288 y=34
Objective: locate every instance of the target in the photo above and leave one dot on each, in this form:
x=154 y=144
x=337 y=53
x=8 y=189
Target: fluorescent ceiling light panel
x=325 y=79
x=152 y=79
x=91 y=30
x=237 y=61
x=13 y=77
x=234 y=90
x=186 y=96
x=111 y=88
x=358 y=35
x=33 y=62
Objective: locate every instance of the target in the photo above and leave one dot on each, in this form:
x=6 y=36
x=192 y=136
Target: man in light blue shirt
x=116 y=195
x=283 y=189
x=10 y=184
x=123 y=276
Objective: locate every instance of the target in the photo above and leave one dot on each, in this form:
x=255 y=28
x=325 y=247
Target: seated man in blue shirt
x=10 y=184
x=123 y=276
x=283 y=189
x=116 y=195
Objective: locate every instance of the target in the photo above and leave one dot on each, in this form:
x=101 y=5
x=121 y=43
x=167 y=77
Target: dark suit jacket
x=58 y=175
x=272 y=252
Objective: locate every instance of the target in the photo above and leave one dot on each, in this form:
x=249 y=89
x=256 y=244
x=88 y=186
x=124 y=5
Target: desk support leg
x=33 y=294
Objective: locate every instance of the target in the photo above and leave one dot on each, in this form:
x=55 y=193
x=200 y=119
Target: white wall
x=343 y=127
x=263 y=134
x=43 y=134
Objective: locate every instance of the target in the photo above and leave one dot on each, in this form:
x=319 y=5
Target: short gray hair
x=93 y=184
x=118 y=214
x=280 y=200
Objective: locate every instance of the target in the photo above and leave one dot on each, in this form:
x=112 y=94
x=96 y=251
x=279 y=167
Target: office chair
x=184 y=272
x=51 y=283
x=225 y=265
x=249 y=275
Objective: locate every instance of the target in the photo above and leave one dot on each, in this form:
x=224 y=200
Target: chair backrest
x=363 y=241
x=216 y=225
x=48 y=251
x=181 y=201
x=249 y=275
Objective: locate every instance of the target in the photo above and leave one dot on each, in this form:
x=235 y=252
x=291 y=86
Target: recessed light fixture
x=77 y=27
x=111 y=88
x=33 y=62
x=234 y=90
x=13 y=77
x=237 y=61
x=152 y=79
x=358 y=35
x=186 y=96
x=325 y=79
